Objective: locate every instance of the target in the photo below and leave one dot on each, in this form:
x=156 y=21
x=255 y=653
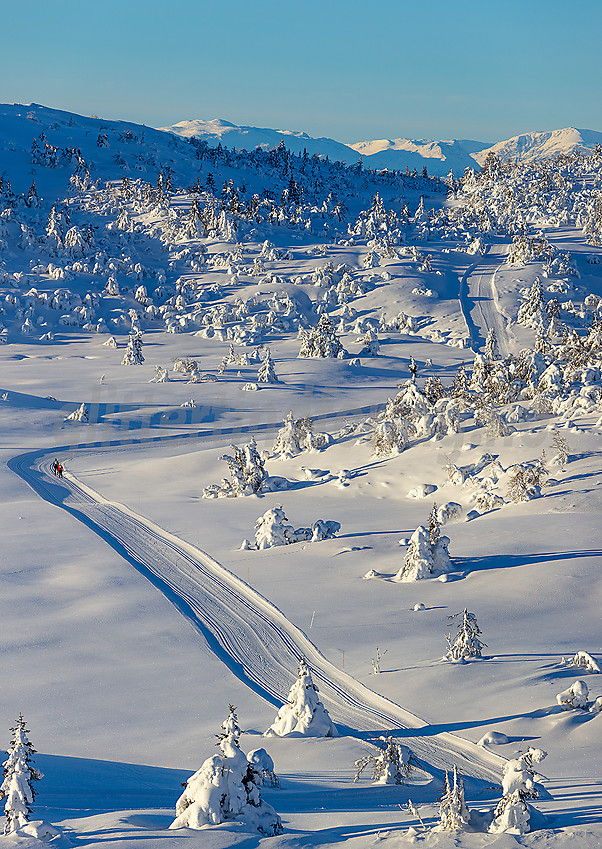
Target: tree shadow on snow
x=508 y=561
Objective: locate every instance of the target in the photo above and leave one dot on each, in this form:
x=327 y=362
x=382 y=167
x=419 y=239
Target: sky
x=336 y=68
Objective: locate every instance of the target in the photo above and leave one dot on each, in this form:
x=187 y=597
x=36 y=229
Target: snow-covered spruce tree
x=513 y=813
x=491 y=347
x=18 y=773
x=392 y=765
x=466 y=644
x=427 y=555
x=321 y=341
x=267 y=372
x=133 y=353
x=82 y=414
x=532 y=312
x=226 y=787
x=561 y=447
x=453 y=813
x=303 y=715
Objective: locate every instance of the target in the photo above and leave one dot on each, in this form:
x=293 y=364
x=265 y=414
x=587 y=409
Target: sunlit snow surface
x=123 y=690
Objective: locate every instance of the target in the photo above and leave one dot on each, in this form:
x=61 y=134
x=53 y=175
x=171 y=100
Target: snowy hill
x=249 y=138
x=531 y=147
x=438 y=156
x=163 y=301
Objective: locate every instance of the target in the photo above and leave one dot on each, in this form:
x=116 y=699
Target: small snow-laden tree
x=532 y=312
x=296 y=436
x=575 y=696
x=321 y=341
x=304 y=714
x=271 y=530
x=427 y=555
x=526 y=480
x=133 y=353
x=392 y=765
x=226 y=787
x=18 y=773
x=246 y=468
x=371 y=344
x=513 y=812
x=267 y=372
x=264 y=765
x=466 y=644
x=561 y=447
x=247 y=472
x=390 y=437
x=453 y=813
x=82 y=414
x=585 y=661
x=161 y=375
x=55 y=229
x=492 y=351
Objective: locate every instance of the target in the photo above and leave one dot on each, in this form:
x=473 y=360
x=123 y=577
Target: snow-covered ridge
x=248 y=138
x=395 y=154
x=438 y=156
x=530 y=147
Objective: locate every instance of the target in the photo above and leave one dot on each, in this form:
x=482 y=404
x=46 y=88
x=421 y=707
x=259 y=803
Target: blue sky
x=338 y=68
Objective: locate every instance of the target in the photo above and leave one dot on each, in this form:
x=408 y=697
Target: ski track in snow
x=248 y=633
x=478 y=301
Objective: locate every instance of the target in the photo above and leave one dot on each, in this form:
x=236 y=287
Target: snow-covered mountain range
x=395 y=154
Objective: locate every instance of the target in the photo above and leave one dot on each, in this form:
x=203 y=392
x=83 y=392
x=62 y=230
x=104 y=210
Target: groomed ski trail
x=246 y=631
x=478 y=301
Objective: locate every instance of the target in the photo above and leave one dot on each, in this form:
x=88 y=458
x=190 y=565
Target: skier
x=55 y=466
x=59 y=470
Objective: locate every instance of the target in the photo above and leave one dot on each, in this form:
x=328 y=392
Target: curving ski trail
x=478 y=301
x=246 y=631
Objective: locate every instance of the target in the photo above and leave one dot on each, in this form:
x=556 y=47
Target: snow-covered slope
x=530 y=147
x=214 y=256
x=248 y=138
x=438 y=156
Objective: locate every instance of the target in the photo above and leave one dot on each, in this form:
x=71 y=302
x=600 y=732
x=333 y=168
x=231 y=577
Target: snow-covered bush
x=392 y=765
x=18 y=773
x=296 y=436
x=226 y=787
x=513 y=813
x=525 y=480
x=575 y=696
x=321 y=341
x=585 y=661
x=390 y=437
x=427 y=555
x=466 y=644
x=271 y=530
x=303 y=715
x=247 y=472
x=264 y=765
